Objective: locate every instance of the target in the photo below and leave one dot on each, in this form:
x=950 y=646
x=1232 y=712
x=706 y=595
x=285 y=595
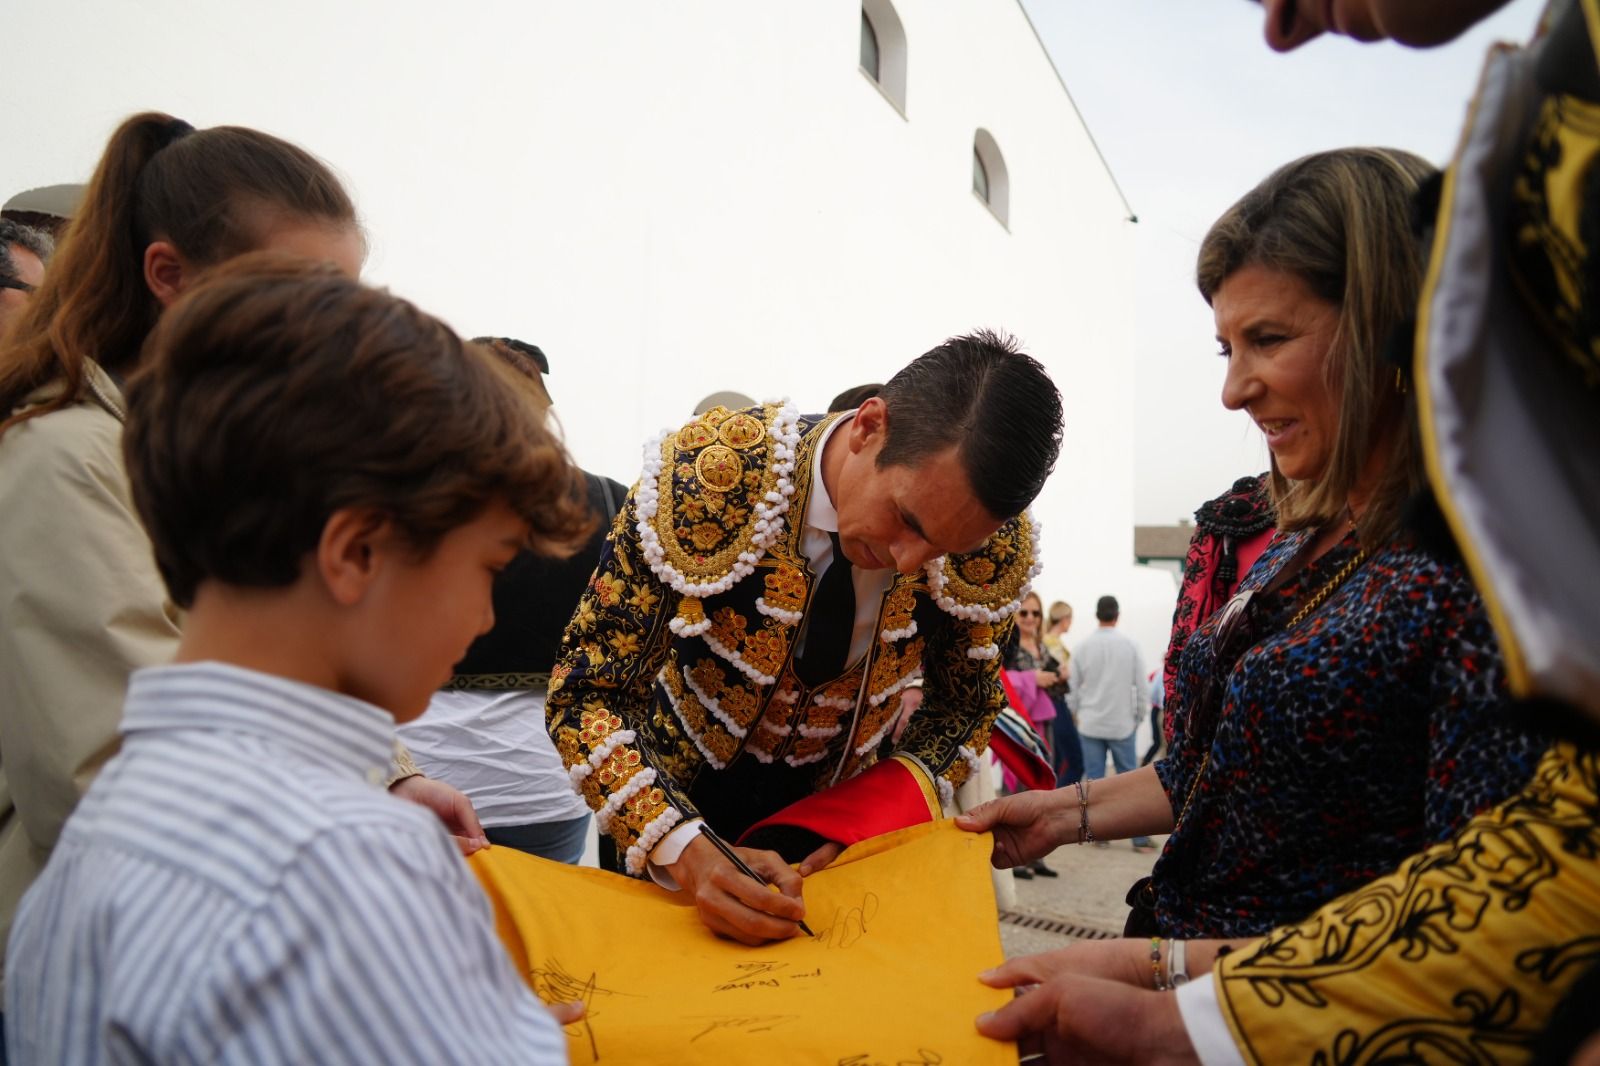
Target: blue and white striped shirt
x=237 y=887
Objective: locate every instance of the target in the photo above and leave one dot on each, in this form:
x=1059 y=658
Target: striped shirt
x=237 y=887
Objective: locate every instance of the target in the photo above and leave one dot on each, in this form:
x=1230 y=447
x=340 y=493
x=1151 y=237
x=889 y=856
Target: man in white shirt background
x=1109 y=697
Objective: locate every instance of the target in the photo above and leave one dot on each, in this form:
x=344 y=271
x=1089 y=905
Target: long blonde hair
x=1342 y=222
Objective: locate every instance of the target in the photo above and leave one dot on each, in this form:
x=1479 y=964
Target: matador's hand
x=733 y=905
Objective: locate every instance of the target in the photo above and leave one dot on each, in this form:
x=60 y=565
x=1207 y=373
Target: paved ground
x=1086 y=900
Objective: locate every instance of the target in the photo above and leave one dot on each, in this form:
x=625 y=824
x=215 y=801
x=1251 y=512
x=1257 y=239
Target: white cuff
x=666 y=853
x=1202 y=1018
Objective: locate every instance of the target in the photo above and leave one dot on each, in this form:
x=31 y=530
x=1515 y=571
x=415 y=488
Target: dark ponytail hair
x=211 y=193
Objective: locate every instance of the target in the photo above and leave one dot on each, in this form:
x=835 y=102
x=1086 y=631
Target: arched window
x=883 y=50
x=869 y=47
x=990 y=182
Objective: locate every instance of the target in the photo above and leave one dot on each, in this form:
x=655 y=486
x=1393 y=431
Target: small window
x=990 y=182
x=883 y=50
x=869 y=47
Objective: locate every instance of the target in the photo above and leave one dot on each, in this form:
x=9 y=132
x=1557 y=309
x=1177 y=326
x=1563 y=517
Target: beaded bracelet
x=1085 y=834
x=1155 y=964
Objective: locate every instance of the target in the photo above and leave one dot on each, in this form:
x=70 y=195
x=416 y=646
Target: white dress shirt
x=493 y=746
x=1208 y=1030
x=1109 y=691
x=237 y=887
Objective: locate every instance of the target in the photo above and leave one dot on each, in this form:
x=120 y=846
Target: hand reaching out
x=1079 y=1019
x=1027 y=826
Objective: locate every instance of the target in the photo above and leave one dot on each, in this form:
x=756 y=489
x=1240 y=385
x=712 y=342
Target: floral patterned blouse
x=1374 y=727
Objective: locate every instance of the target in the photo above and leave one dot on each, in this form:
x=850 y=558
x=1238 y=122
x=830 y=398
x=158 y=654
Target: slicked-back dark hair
x=997 y=407
x=854 y=397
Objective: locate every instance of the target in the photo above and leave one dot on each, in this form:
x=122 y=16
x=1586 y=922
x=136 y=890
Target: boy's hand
x=734 y=906
x=566 y=1013
x=450 y=804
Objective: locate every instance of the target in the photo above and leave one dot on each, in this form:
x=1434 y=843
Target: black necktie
x=829 y=622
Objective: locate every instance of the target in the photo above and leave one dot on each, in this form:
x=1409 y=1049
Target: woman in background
x=81 y=603
x=1037 y=678
x=1068 y=748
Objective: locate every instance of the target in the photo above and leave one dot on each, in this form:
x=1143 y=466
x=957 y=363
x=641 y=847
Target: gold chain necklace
x=1317 y=599
x=1321 y=595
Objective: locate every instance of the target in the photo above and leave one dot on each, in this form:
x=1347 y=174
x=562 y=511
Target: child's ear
x=349 y=553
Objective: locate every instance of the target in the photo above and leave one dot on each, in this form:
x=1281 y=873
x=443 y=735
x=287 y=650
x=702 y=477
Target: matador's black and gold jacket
x=675 y=677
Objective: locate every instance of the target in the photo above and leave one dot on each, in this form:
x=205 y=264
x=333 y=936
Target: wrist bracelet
x=1177 y=964
x=1085 y=835
x=1155 y=964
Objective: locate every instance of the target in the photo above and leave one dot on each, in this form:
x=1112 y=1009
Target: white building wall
x=670 y=198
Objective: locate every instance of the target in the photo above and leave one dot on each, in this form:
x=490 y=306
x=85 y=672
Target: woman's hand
x=1046 y=678
x=1027 y=826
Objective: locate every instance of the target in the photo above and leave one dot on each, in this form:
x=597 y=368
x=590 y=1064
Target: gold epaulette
x=985 y=587
x=712 y=499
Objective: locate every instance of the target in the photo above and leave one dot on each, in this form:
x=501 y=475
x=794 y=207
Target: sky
x=1191 y=109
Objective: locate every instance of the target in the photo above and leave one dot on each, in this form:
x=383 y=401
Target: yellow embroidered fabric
x=996 y=573
x=1555 y=216
x=930 y=795
x=1459 y=956
x=661 y=989
x=709 y=490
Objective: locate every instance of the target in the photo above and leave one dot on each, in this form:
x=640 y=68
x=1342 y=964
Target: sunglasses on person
x=1027 y=614
x=16 y=283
